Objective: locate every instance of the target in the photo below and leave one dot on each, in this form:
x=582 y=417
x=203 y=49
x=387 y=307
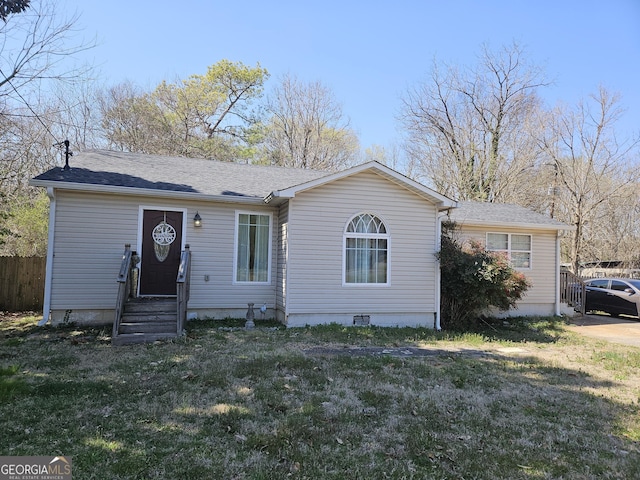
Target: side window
x=599 y=283
x=253 y=247
x=366 y=244
x=498 y=242
x=521 y=251
x=618 y=285
x=517 y=247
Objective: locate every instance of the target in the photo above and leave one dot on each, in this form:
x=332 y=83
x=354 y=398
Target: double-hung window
x=366 y=251
x=253 y=247
x=516 y=247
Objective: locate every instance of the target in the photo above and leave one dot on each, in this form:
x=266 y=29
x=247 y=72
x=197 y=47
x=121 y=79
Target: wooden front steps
x=145 y=320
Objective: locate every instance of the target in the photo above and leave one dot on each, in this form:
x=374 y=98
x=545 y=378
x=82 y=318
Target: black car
x=615 y=296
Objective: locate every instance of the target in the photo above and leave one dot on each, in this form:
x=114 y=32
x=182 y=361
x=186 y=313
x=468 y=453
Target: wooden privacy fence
x=22 y=283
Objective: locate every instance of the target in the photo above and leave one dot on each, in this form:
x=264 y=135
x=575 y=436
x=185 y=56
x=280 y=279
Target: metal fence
x=22 y=283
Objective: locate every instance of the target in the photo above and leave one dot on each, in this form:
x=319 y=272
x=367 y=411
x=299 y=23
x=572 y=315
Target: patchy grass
x=518 y=400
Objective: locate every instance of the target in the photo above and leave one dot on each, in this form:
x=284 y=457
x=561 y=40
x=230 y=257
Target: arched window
x=366 y=244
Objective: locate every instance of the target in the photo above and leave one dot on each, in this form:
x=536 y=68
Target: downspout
x=46 y=308
x=557 y=282
x=440 y=219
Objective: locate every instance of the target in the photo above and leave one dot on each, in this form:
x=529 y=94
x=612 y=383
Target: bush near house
x=474 y=280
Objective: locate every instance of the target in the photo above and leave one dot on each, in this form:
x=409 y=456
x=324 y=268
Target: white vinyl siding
x=90 y=235
x=92 y=229
x=281 y=272
x=317 y=220
x=213 y=249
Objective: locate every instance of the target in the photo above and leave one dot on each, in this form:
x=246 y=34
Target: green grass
x=10 y=384
x=522 y=400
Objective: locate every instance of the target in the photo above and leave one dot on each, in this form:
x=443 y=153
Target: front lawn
x=526 y=400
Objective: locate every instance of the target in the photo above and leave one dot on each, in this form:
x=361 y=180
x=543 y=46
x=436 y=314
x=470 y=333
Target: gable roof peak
x=388 y=173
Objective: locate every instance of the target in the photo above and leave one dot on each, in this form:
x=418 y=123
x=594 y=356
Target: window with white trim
x=517 y=247
x=253 y=247
x=366 y=244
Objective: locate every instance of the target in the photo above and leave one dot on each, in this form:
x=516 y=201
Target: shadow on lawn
x=523 y=329
x=18 y=327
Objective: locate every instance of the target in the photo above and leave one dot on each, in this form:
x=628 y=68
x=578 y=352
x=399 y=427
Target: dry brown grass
x=528 y=401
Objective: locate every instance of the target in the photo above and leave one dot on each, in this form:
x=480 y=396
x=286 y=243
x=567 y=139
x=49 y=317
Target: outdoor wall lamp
x=197 y=220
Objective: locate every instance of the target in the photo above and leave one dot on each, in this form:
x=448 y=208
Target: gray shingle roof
x=177 y=174
x=210 y=177
x=484 y=213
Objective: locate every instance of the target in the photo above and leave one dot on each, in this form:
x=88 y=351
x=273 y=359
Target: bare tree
x=616 y=235
x=127 y=119
x=34 y=42
x=597 y=175
x=35 y=46
x=390 y=156
x=25 y=151
x=470 y=129
x=73 y=111
x=36 y=51
x=307 y=128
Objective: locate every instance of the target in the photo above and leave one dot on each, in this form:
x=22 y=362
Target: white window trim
x=386 y=236
x=508 y=251
x=235 y=247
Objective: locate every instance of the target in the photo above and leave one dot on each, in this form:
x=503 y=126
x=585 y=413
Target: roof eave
x=146 y=192
x=448 y=205
x=277 y=197
x=530 y=226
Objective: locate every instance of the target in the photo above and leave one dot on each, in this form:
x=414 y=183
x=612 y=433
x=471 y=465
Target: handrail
x=183 y=288
x=124 y=279
x=573 y=291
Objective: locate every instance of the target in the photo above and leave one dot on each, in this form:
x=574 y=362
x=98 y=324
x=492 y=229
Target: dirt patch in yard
x=404 y=351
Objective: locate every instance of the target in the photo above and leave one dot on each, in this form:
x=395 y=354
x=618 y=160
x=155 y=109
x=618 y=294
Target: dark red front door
x=161 y=244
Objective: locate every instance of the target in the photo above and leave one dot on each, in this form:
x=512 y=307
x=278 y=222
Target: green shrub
x=474 y=280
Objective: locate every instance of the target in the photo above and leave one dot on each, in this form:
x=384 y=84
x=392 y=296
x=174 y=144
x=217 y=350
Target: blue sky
x=368 y=53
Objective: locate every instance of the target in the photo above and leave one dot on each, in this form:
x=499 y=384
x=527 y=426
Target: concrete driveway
x=624 y=330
